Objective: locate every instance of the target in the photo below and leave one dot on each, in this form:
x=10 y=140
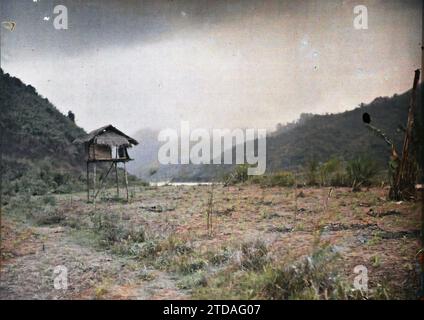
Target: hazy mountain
x=317 y=137
x=146 y=165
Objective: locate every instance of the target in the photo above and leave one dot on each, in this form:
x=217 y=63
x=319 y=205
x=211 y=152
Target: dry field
x=265 y=243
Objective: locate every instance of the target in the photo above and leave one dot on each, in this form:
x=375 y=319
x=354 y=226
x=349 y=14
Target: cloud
x=221 y=65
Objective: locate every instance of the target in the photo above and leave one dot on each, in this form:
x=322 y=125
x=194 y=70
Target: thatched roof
x=107 y=135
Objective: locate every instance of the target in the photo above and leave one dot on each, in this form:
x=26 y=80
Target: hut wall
x=99 y=152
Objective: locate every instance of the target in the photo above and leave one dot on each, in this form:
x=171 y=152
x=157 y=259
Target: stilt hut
x=106 y=145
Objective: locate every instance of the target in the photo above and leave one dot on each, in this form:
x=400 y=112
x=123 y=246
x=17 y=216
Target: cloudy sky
x=217 y=64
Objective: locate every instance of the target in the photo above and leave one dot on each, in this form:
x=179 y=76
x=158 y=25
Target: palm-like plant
x=360 y=171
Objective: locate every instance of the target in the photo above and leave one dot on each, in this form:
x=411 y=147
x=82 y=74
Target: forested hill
x=37 y=149
x=343 y=135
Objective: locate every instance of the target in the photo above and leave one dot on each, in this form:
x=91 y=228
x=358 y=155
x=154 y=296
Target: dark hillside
x=37 y=150
x=343 y=135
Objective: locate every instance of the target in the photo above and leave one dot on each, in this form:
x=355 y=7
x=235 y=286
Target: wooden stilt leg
x=94 y=180
x=126 y=180
x=117 y=181
x=88 y=184
x=102 y=181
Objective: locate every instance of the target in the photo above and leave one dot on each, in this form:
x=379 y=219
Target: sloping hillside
x=343 y=135
x=37 y=151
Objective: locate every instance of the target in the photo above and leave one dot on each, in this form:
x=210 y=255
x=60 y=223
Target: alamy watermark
x=61 y=19
x=360 y=21
x=360 y=282
x=201 y=146
x=60 y=281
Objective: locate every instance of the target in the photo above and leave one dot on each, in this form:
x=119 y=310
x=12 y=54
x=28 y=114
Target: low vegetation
x=359 y=172
x=314 y=277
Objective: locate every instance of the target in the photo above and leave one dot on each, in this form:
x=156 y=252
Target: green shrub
x=311 y=172
x=314 y=277
x=239 y=175
x=48 y=215
x=114 y=235
x=42 y=180
x=146 y=275
x=360 y=171
x=72 y=222
x=280 y=179
x=145 y=249
x=31 y=184
x=176 y=246
x=277 y=179
x=332 y=173
x=49 y=199
x=196 y=279
x=219 y=257
x=253 y=255
x=186 y=264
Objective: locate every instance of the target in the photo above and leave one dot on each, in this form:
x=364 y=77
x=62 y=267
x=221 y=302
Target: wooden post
x=94 y=179
x=88 y=184
x=209 y=212
x=117 y=181
x=126 y=180
x=102 y=182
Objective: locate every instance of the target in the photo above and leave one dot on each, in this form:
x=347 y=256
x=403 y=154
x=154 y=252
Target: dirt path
x=30 y=255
